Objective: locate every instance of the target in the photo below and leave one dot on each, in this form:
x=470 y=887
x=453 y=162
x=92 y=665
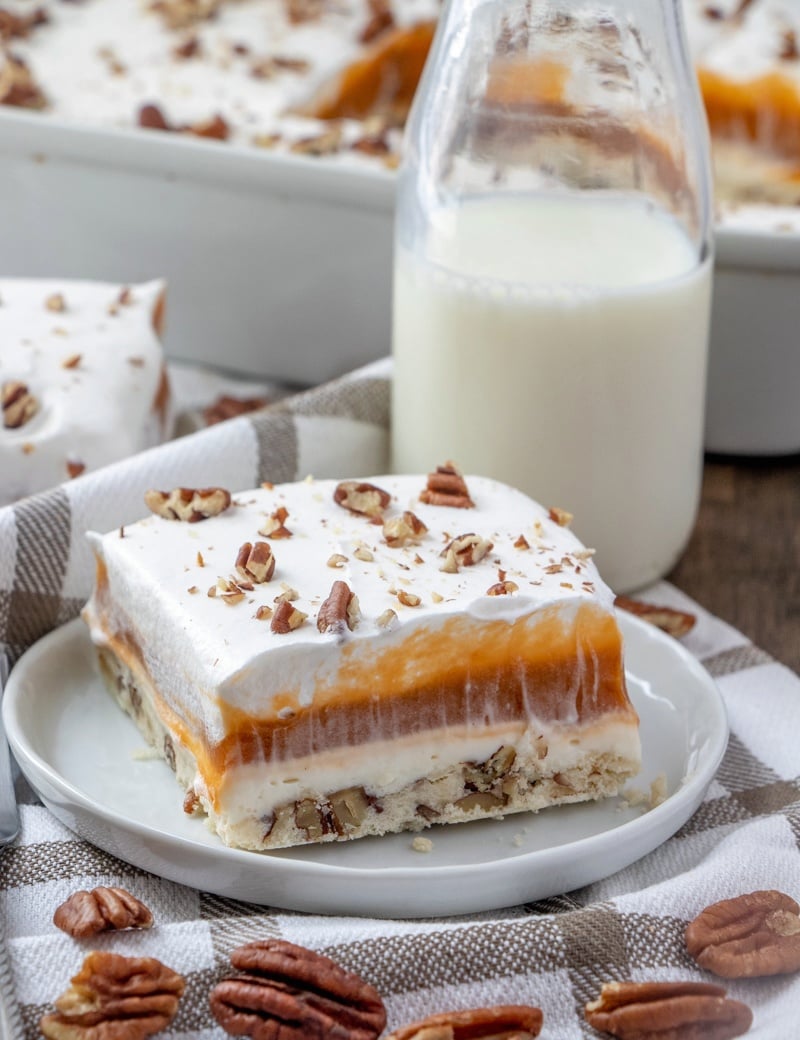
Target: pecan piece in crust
x=749 y=936
x=189 y=504
x=446 y=487
x=657 y=1010
x=115 y=998
x=340 y=610
x=676 y=623
x=360 y=497
x=510 y=1022
x=101 y=910
x=287 y=992
x=19 y=405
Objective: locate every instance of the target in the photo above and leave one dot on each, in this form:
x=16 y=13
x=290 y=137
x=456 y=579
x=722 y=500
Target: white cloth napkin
x=555 y=954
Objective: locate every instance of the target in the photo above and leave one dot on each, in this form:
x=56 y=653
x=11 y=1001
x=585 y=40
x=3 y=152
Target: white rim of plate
x=675 y=805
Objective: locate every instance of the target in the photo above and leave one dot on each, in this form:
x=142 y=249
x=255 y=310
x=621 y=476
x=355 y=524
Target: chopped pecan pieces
x=214 y=128
x=502 y=588
x=286 y=618
x=386 y=619
x=19 y=25
x=340 y=610
x=376 y=143
x=406 y=529
x=512 y=1022
x=188 y=48
x=18 y=88
x=228 y=407
x=749 y=936
x=381 y=18
x=179 y=14
x=362 y=498
x=560 y=516
x=464 y=551
x=19 y=405
x=408 y=599
x=152 y=118
x=275 y=525
x=75 y=467
x=256 y=562
x=676 y=623
x=266 y=68
x=446 y=487
x=288 y=992
x=230 y=592
x=326 y=143
x=101 y=910
x=125 y=998
x=299 y=11
x=189 y=504
x=655 y=1010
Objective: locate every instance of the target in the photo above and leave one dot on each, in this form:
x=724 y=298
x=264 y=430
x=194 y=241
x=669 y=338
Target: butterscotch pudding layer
x=428 y=663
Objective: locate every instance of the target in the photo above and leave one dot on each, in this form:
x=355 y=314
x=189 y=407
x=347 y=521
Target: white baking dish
x=280 y=266
x=753 y=403
x=276 y=265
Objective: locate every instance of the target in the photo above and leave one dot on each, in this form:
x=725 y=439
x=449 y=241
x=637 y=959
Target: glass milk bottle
x=553 y=268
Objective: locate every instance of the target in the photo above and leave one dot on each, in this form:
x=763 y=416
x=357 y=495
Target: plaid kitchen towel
x=555 y=954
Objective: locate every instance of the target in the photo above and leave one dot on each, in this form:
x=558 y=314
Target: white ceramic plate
x=79 y=752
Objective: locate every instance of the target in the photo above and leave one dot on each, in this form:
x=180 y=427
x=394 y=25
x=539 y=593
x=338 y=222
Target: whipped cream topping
x=247 y=71
x=744 y=40
x=160 y=573
x=89 y=357
x=99 y=62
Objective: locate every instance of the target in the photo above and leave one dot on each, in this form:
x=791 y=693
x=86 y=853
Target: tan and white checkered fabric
x=554 y=954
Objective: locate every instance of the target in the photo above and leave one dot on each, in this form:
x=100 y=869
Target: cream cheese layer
x=89 y=357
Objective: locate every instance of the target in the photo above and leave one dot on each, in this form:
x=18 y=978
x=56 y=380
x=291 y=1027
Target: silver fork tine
x=9 y=814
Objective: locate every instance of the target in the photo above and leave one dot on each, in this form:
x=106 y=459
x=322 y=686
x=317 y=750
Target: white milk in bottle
x=558 y=343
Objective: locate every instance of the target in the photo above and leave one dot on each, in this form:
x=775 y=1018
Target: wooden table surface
x=743 y=560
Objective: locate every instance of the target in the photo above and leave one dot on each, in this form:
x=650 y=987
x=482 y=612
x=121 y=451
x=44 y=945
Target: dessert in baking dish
x=336 y=80
x=322 y=661
x=748 y=62
x=83 y=380
x=242 y=71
